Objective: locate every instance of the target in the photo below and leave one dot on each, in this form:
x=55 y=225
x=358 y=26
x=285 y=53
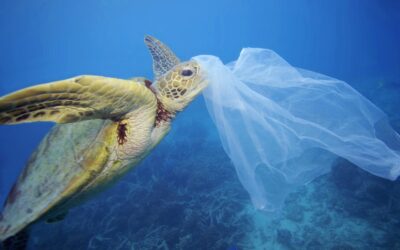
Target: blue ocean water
x=185 y=194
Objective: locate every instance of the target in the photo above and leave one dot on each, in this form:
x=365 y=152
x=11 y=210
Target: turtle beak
x=163 y=58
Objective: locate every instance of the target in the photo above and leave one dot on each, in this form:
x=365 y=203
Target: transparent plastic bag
x=283 y=127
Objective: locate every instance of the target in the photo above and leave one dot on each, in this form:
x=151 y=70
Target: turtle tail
x=16 y=242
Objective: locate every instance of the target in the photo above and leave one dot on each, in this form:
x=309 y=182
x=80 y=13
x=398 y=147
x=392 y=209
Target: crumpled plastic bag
x=282 y=126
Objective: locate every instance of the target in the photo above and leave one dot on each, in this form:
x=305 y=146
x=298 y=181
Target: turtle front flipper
x=163 y=57
x=75 y=99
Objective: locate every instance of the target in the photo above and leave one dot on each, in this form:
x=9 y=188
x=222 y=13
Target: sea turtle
x=108 y=126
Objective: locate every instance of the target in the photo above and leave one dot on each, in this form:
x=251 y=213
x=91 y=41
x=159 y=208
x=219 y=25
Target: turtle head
x=179 y=86
x=176 y=84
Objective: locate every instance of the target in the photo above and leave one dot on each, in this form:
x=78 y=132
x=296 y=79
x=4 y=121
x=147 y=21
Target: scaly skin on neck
x=162 y=114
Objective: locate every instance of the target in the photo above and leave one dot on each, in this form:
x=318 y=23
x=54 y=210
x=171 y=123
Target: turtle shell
x=68 y=157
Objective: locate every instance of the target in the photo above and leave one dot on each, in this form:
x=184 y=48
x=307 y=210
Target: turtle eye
x=187 y=72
